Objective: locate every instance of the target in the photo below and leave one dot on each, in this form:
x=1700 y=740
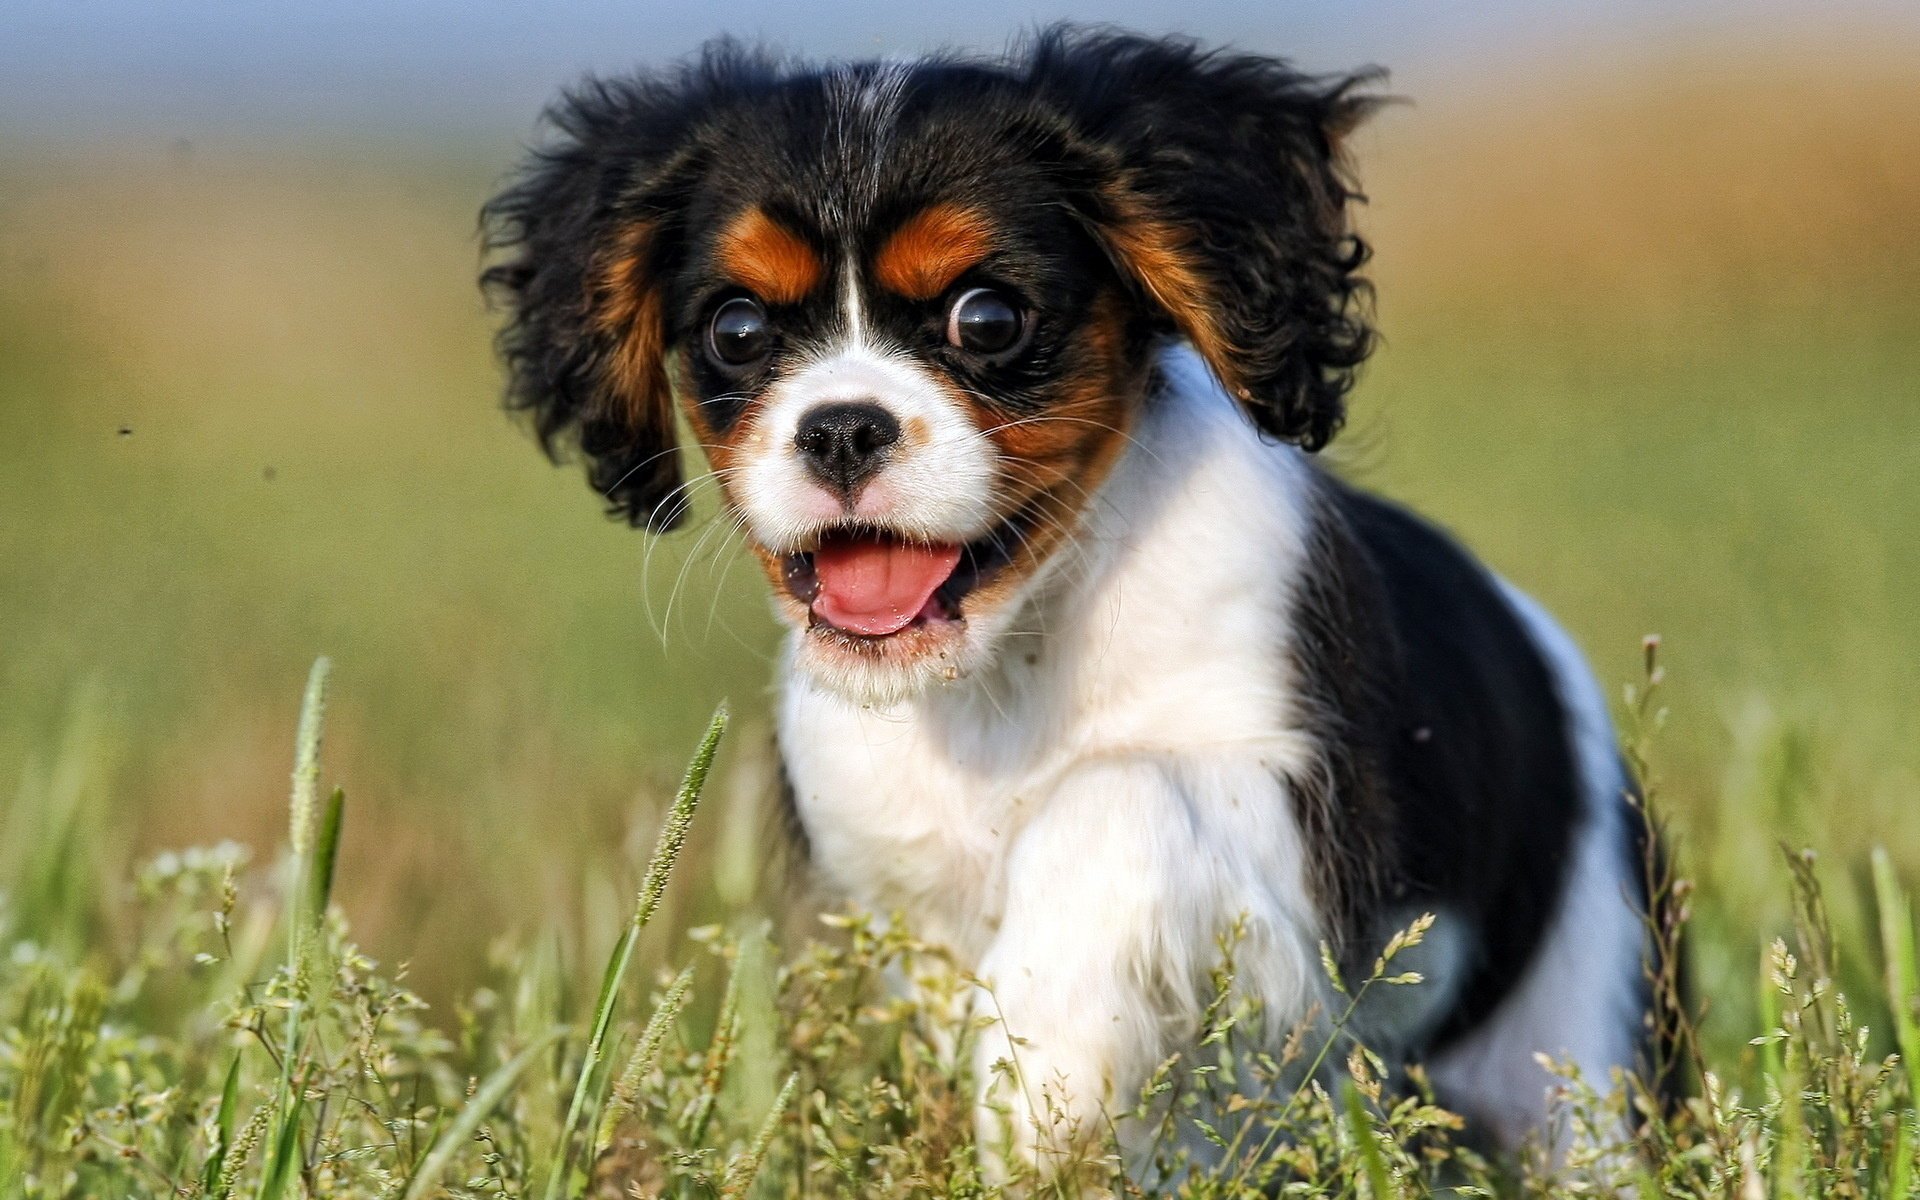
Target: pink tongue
x=874 y=587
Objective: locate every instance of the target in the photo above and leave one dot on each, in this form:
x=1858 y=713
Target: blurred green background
x=1650 y=327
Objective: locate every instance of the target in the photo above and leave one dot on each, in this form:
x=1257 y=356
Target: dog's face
x=908 y=310
x=909 y=367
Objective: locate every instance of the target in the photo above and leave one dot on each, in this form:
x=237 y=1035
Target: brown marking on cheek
x=1159 y=254
x=1091 y=406
x=1058 y=492
x=627 y=308
x=724 y=451
x=768 y=259
x=1058 y=509
x=1053 y=462
x=933 y=248
x=917 y=432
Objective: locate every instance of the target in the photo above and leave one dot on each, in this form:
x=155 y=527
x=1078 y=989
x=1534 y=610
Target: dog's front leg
x=1113 y=904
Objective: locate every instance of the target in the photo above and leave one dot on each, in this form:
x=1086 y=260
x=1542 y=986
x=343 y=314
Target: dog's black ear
x=1216 y=183
x=583 y=242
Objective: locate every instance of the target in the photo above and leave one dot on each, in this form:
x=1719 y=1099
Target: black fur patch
x=1451 y=783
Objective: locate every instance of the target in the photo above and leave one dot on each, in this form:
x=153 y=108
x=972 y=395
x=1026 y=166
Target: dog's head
x=908 y=309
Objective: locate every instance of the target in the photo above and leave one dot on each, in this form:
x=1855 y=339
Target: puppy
x=1012 y=371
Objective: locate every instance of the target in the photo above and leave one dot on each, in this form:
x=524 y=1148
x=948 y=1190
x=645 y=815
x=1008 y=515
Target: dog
x=1012 y=371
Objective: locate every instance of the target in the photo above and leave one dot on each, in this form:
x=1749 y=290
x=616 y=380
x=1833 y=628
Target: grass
x=315 y=1075
x=1648 y=349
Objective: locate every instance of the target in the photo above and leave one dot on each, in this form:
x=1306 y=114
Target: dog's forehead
x=854 y=149
x=863 y=108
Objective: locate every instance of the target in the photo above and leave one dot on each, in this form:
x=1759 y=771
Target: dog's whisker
x=656 y=622
x=726 y=563
x=686 y=492
x=607 y=492
x=1064 y=418
x=687 y=563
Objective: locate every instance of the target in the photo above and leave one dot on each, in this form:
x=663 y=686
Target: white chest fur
x=1159 y=632
x=1081 y=821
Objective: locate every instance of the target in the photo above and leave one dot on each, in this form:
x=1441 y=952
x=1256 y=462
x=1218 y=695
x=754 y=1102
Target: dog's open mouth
x=870 y=583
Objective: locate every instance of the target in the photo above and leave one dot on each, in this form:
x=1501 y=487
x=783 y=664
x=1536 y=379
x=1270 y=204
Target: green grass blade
x=440 y=1155
x=596 y=1048
x=1897 y=949
x=222 y=1128
x=306 y=756
x=666 y=852
x=745 y=1167
x=1767 y=1003
x=1370 y=1157
x=673 y=832
x=645 y=1051
x=719 y=1056
x=301 y=828
x=286 y=1152
x=326 y=850
x=242 y=1149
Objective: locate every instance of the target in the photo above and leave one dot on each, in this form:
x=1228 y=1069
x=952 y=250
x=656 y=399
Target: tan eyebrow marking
x=935 y=247
x=768 y=259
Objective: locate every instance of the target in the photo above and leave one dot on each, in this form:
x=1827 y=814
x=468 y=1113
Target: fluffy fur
x=1099 y=302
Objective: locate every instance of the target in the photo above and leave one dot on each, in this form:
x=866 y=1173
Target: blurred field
x=1650 y=346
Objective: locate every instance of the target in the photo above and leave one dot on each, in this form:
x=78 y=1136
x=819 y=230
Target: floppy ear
x=584 y=241
x=1215 y=182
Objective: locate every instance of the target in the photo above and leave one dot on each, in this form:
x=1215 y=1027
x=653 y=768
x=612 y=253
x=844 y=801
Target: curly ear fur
x=1217 y=186
x=586 y=237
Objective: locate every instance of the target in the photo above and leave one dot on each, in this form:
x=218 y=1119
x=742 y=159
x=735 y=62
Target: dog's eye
x=984 y=322
x=740 y=334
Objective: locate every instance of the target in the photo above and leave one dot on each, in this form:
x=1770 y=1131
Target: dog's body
x=1086 y=665
x=1181 y=734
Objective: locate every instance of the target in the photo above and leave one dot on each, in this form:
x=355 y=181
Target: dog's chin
x=890 y=669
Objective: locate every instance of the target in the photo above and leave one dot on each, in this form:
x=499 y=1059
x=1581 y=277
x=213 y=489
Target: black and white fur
x=1351 y=726
x=1233 y=689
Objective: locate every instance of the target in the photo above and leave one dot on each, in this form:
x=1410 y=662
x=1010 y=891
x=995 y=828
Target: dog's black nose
x=844 y=443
